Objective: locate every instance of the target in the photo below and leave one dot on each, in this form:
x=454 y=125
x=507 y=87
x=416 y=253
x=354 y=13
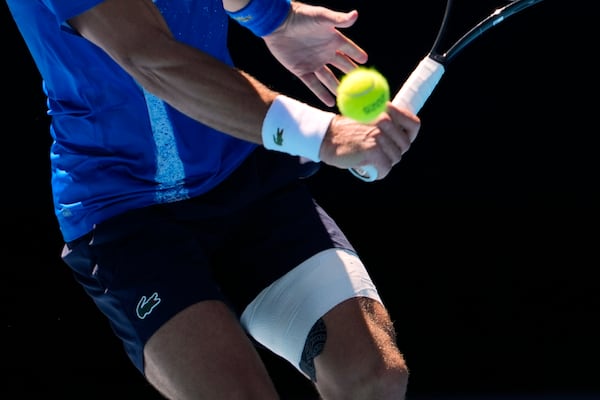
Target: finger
x=353 y=51
x=405 y=119
x=314 y=84
x=393 y=142
x=344 y=20
x=343 y=63
x=328 y=79
x=399 y=139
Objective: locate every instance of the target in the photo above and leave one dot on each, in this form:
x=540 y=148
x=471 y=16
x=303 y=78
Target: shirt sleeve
x=66 y=9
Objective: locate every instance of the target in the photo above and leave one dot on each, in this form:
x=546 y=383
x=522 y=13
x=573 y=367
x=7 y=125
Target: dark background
x=483 y=240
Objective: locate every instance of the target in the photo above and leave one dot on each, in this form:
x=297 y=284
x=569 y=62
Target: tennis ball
x=363 y=94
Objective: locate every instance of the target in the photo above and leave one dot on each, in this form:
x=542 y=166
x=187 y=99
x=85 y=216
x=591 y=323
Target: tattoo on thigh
x=315 y=341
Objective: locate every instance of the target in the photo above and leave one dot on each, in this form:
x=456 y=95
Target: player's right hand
x=381 y=144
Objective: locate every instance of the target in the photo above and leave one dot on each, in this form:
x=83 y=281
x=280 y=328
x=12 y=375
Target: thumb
x=344 y=20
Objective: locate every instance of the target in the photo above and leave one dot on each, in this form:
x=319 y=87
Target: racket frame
x=422 y=81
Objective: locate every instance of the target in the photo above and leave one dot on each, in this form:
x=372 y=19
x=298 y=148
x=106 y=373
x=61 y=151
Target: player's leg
x=203 y=353
x=359 y=358
x=151 y=279
x=310 y=310
x=326 y=318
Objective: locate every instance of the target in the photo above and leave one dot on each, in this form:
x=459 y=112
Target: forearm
x=191 y=81
x=207 y=90
x=235 y=103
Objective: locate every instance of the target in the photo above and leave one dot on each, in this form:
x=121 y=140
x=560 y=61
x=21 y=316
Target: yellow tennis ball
x=363 y=94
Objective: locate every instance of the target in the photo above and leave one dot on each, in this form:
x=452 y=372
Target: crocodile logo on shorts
x=278 y=138
x=146 y=305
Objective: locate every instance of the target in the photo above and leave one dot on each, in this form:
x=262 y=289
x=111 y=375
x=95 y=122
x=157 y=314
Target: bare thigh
x=360 y=358
x=203 y=352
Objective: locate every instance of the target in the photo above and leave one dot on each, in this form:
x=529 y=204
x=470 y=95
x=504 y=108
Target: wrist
x=262 y=17
x=296 y=128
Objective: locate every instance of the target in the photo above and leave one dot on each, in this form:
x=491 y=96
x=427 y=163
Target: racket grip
x=419 y=85
x=412 y=95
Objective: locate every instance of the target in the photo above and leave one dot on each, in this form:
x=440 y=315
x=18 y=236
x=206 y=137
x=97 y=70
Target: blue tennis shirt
x=115 y=146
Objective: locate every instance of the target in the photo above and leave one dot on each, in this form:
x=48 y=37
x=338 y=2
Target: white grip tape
x=412 y=96
x=419 y=85
x=296 y=128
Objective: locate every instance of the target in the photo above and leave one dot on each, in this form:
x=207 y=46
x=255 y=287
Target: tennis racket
x=422 y=81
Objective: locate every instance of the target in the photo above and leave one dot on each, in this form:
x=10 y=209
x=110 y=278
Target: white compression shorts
x=282 y=315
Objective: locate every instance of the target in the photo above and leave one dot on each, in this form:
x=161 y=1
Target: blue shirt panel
x=117 y=147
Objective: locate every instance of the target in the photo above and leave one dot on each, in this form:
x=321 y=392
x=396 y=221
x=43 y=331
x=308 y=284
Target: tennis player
x=177 y=184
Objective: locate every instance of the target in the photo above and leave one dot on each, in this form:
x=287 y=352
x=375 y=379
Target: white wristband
x=296 y=128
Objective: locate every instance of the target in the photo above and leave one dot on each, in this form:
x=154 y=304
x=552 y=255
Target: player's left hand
x=309 y=42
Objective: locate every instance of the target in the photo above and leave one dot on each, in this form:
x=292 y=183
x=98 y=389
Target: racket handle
x=419 y=85
x=412 y=95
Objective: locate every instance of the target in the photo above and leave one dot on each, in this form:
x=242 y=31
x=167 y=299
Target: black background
x=483 y=240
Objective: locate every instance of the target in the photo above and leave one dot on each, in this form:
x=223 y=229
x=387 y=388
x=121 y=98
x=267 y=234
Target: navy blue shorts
x=144 y=266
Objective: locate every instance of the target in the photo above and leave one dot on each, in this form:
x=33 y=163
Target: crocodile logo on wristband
x=244 y=19
x=278 y=138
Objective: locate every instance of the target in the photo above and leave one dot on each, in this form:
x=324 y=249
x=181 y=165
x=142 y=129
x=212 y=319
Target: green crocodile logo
x=278 y=138
x=146 y=305
x=244 y=18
